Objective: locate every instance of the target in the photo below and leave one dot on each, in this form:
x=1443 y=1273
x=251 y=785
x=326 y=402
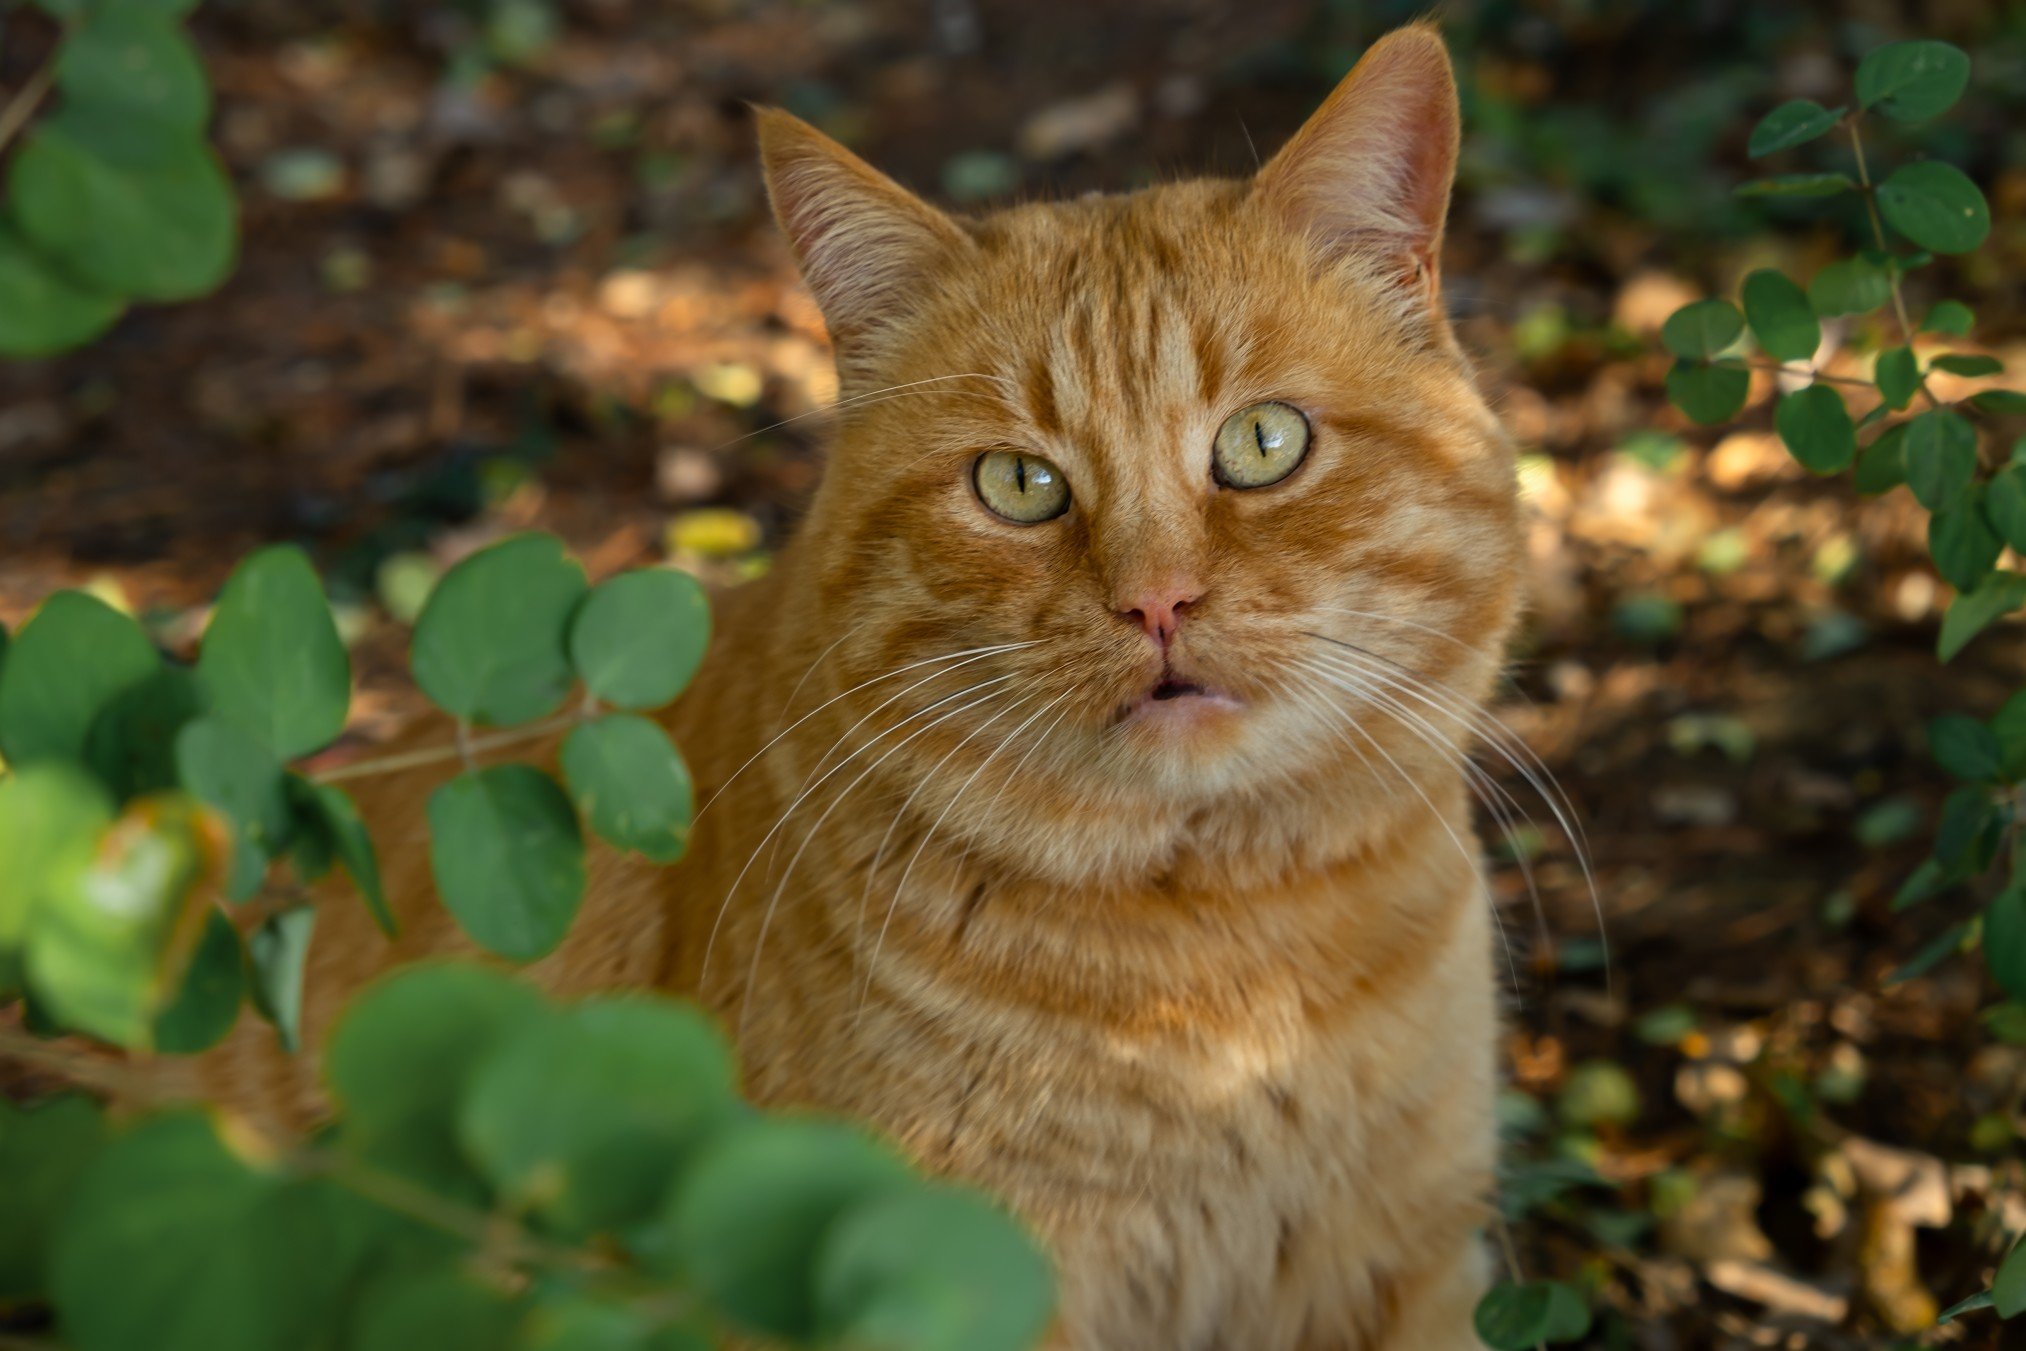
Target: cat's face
x=1203 y=460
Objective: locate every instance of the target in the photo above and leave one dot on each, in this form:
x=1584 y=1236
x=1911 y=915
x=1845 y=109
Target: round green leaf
x=1966 y=748
x=2005 y=504
x=1519 y=1317
x=932 y=1269
x=136 y=63
x=1702 y=329
x=51 y=817
x=223 y=765
x=1897 y=375
x=207 y=1006
x=272 y=659
x=1936 y=206
x=1941 y=456
x=489 y=645
x=327 y=821
x=1952 y=317
x=636 y=638
x=68 y=662
x=1817 y=429
x=1850 y=286
x=1781 y=318
x=2005 y=940
x=1881 y=466
x=1791 y=124
x=400 y=1055
x=132 y=742
x=507 y=857
x=1974 y=611
x=631 y=785
x=45 y=1147
x=1912 y=81
x=43 y=312
x=660 y=1076
x=113 y=930
x=126 y=207
x=1708 y=393
x=2008 y=1289
x=1962 y=542
x=749 y=1216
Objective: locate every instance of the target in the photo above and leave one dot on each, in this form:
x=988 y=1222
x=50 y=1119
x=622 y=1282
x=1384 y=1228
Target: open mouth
x=1175 y=689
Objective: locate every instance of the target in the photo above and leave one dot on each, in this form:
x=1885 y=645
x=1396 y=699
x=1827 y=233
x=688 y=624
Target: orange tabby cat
x=1083 y=805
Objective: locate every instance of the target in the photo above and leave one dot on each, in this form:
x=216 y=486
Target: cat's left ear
x=1372 y=168
x=863 y=241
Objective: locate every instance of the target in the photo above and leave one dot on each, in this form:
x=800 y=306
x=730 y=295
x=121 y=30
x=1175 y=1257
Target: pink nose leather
x=1159 y=611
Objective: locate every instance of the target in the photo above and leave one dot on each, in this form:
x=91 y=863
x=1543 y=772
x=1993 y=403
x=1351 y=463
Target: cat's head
x=1188 y=490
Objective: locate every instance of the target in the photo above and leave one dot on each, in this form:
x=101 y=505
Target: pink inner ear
x=1373 y=166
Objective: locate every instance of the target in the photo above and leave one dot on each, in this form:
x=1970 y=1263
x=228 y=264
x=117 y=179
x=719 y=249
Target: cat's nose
x=1158 y=609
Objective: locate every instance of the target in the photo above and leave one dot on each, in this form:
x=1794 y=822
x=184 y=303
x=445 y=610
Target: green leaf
x=1817 y=429
x=278 y=952
x=752 y=1211
x=1941 y=456
x=507 y=857
x=1850 y=286
x=224 y=766
x=51 y=817
x=631 y=785
x=637 y=638
x=1967 y=815
x=1923 y=883
x=932 y=1269
x=1781 y=318
x=2008 y=1290
x=1964 y=545
x=489 y=645
x=401 y=1054
x=577 y=1322
x=1789 y=125
x=1952 y=317
x=1881 y=466
x=2004 y=401
x=1518 y=1317
x=136 y=63
x=2005 y=940
x=113 y=932
x=172 y=1243
x=2008 y=724
x=1981 y=1300
x=1702 y=329
x=1965 y=748
x=272 y=658
x=1797 y=185
x=1897 y=375
x=1912 y=81
x=441 y=1310
x=126 y=207
x=1956 y=363
x=1936 y=206
x=1974 y=611
x=45 y=1146
x=131 y=744
x=1932 y=954
x=325 y=814
x=660 y=1076
x=1708 y=393
x=43 y=312
x=68 y=662
x=2005 y=504
x=207 y=1006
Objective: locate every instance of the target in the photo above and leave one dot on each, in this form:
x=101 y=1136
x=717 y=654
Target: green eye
x=1260 y=445
x=1023 y=488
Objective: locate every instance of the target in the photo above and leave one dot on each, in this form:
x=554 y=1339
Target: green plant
x=502 y=1170
x=115 y=196
x=1945 y=452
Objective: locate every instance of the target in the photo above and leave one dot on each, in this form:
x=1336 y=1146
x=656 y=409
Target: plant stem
x=1870 y=194
x=22 y=106
x=467 y=746
x=1782 y=368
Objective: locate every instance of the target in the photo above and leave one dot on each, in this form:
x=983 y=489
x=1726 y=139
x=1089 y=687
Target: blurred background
x=507 y=263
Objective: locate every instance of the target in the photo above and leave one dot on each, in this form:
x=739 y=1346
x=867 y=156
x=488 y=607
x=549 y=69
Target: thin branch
x=1870 y=194
x=1780 y=368
x=435 y=755
x=22 y=106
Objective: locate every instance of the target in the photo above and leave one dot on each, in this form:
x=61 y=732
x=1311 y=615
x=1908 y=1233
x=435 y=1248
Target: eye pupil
x=1259 y=435
x=1020 y=471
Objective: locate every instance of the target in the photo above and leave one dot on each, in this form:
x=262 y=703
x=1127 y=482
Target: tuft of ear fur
x=1371 y=169
x=861 y=239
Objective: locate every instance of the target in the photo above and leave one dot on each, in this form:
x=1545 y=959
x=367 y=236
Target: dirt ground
x=551 y=297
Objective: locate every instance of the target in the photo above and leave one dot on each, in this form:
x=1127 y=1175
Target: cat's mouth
x=1175 y=689
x=1174 y=698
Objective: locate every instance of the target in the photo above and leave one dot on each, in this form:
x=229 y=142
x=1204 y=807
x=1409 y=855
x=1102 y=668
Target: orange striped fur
x=1206 y=994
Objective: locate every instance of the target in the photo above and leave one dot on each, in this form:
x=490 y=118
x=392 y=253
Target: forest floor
x=552 y=299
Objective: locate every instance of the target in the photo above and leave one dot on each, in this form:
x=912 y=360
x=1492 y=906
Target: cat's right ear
x=863 y=241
